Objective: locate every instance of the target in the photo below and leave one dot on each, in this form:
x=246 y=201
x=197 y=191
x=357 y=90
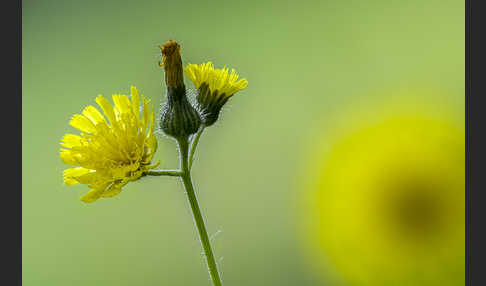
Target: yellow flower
x=385 y=203
x=110 y=154
x=218 y=80
x=215 y=87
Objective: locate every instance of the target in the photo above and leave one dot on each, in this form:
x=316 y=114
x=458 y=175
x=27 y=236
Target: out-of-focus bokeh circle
x=384 y=202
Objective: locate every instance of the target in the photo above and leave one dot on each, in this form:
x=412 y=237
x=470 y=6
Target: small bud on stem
x=179 y=118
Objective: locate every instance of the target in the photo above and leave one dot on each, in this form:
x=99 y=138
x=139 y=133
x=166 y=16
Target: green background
x=304 y=60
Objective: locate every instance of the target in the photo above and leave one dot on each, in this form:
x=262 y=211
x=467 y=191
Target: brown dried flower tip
x=171 y=60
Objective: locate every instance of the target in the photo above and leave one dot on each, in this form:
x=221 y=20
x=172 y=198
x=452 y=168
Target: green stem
x=174 y=173
x=196 y=212
x=194 y=145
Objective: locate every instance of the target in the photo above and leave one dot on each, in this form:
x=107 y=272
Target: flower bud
x=179 y=119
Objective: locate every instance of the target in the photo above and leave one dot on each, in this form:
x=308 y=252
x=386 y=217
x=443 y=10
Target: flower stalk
x=173 y=173
x=196 y=212
x=194 y=142
x=185 y=174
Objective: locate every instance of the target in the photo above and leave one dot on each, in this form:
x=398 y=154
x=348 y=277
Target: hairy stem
x=196 y=212
x=194 y=142
x=174 y=173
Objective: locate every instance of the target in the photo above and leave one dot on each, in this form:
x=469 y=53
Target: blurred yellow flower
x=386 y=204
x=109 y=155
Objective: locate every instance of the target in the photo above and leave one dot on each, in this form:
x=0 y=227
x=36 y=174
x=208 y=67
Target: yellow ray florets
x=110 y=153
x=219 y=80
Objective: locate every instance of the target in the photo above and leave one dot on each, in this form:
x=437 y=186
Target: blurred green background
x=305 y=61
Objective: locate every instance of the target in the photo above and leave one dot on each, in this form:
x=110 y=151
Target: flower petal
x=92 y=195
x=122 y=104
x=107 y=108
x=150 y=148
x=135 y=101
x=71 y=140
x=113 y=190
x=89 y=178
x=94 y=115
x=82 y=123
x=67 y=157
x=146 y=113
x=71 y=174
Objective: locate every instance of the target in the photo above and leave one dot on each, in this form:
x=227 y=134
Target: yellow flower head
x=219 y=81
x=215 y=87
x=110 y=154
